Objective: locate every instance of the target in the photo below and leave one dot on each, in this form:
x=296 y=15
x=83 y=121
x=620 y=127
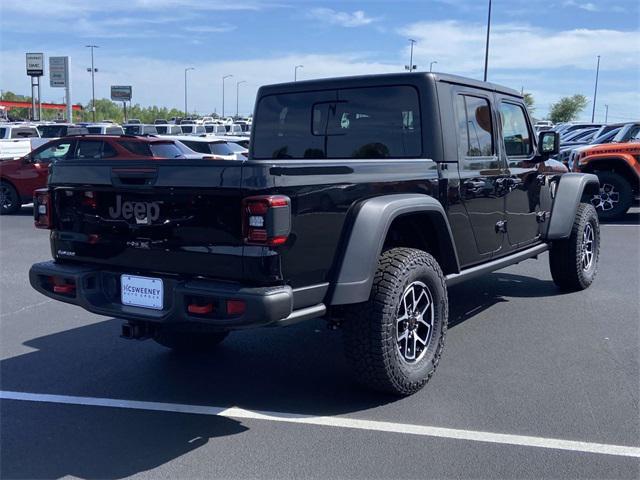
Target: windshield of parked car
x=165 y=150
x=220 y=148
x=606 y=137
x=97 y=130
x=187 y=128
x=627 y=133
x=162 y=128
x=235 y=148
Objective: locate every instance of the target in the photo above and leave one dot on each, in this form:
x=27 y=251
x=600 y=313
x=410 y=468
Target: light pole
x=411 y=67
x=238 y=94
x=93 y=83
x=431 y=65
x=606 y=113
x=186 y=111
x=295 y=72
x=595 y=91
x=486 y=50
x=223 y=79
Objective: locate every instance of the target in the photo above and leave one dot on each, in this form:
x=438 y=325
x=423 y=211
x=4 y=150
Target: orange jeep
x=617 y=166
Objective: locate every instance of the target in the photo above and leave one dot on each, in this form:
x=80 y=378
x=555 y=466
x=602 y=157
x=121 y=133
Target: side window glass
x=108 y=151
x=476 y=150
x=89 y=149
x=515 y=132
x=55 y=152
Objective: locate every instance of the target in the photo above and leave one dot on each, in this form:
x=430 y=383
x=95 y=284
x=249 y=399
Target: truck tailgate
x=163 y=216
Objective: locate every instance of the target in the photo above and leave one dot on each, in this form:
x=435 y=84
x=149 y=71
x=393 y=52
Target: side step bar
x=454 y=278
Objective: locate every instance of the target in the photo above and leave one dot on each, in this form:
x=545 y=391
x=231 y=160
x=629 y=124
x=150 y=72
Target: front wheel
x=615 y=196
x=574 y=261
x=9 y=199
x=394 y=341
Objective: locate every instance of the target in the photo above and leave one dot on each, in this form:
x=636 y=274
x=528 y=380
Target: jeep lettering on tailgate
x=145 y=212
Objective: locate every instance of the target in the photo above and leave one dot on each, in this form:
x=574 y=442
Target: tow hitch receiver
x=137 y=331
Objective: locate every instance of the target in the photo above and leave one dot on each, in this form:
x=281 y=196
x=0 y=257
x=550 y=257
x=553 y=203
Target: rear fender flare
x=359 y=263
x=571 y=189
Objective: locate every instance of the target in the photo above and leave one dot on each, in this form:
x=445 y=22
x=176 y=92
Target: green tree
x=530 y=103
x=567 y=108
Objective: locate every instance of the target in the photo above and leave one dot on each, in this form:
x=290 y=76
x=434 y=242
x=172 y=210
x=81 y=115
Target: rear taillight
x=89 y=200
x=266 y=220
x=43 y=208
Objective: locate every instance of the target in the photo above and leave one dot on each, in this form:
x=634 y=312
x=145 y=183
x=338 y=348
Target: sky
x=546 y=47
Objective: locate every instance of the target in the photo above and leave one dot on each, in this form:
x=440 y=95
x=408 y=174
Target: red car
x=19 y=178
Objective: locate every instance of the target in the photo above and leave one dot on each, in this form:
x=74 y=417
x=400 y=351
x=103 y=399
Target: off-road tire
x=624 y=195
x=189 y=342
x=9 y=199
x=370 y=335
x=566 y=256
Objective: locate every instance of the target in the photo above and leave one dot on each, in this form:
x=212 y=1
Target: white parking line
x=339 y=422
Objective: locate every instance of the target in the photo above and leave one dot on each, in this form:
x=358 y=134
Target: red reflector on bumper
x=200 y=309
x=67 y=288
x=235 y=307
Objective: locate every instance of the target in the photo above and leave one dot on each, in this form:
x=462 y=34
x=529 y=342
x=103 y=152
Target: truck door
x=524 y=181
x=482 y=173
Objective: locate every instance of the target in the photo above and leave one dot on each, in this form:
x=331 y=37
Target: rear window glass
x=96 y=130
x=200 y=147
x=52 y=131
x=372 y=122
x=165 y=150
x=187 y=128
x=139 y=148
x=132 y=129
x=25 y=132
x=161 y=129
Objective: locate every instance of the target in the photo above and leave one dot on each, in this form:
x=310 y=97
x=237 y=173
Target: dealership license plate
x=141 y=291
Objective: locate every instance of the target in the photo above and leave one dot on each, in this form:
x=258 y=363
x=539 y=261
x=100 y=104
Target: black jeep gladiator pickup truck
x=362 y=200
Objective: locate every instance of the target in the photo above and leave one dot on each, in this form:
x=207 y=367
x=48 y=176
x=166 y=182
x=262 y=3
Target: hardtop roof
x=386 y=79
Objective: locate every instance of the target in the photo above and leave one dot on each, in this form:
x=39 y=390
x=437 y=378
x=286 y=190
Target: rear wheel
x=615 y=196
x=394 y=341
x=185 y=342
x=9 y=199
x=574 y=261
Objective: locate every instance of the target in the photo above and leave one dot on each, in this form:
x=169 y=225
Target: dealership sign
x=58 y=71
x=35 y=64
x=121 y=93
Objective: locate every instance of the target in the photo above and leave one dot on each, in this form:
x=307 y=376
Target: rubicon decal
x=143 y=212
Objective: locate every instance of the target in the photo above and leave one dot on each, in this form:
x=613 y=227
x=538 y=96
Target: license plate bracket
x=145 y=292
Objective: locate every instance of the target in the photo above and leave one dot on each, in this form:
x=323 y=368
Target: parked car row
x=610 y=151
x=21 y=176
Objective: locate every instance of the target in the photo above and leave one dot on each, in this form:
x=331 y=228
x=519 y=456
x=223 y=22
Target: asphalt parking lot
x=532 y=384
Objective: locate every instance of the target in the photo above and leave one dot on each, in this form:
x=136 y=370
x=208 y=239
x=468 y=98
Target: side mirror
x=548 y=144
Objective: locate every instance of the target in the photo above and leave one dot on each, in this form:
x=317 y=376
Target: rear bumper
x=98 y=291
